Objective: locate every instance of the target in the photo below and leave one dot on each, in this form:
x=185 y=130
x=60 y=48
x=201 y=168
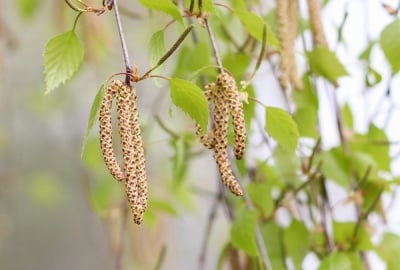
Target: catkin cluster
x=226 y=99
x=317 y=28
x=134 y=169
x=287 y=19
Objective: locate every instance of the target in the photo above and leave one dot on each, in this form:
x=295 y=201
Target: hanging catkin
x=282 y=18
x=221 y=117
x=293 y=11
x=106 y=131
x=228 y=85
x=314 y=10
x=139 y=158
x=207 y=139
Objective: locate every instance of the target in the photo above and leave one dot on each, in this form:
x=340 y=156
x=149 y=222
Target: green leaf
x=286 y=165
x=306 y=119
x=336 y=260
x=347 y=116
x=336 y=166
x=260 y=194
x=375 y=144
x=192 y=59
x=62 y=57
x=388 y=250
x=343 y=233
x=254 y=25
x=93 y=115
x=102 y=195
x=242 y=232
x=390 y=44
x=325 y=63
x=282 y=128
x=165 y=6
x=27 y=8
x=306 y=98
x=297 y=241
x=366 y=54
x=156 y=47
x=272 y=235
x=189 y=97
x=372 y=77
x=208 y=6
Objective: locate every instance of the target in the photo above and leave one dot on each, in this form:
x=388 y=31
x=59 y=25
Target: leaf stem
x=128 y=65
x=76 y=20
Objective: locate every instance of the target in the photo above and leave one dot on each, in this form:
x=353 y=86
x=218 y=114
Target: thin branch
x=161 y=258
x=120 y=248
x=128 y=65
x=214 y=46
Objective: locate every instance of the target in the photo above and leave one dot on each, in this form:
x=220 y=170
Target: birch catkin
x=314 y=10
x=282 y=7
x=106 y=131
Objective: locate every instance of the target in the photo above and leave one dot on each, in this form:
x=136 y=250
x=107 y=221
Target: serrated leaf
x=243 y=232
x=390 y=44
x=156 y=47
x=62 y=57
x=260 y=194
x=282 y=128
x=165 y=6
x=297 y=241
x=254 y=25
x=190 y=98
x=325 y=63
x=336 y=260
x=93 y=115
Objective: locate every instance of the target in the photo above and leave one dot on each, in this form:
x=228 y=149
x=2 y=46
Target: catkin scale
x=106 y=131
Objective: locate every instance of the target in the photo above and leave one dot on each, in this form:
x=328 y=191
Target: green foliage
x=190 y=98
x=242 y=232
x=282 y=128
x=93 y=115
x=390 y=43
x=330 y=68
x=388 y=250
x=336 y=260
x=165 y=6
x=273 y=238
x=297 y=241
x=336 y=166
x=156 y=47
x=260 y=194
x=45 y=189
x=62 y=57
x=350 y=236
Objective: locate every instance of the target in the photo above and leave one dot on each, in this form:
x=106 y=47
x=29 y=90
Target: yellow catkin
x=106 y=131
x=221 y=118
x=293 y=11
x=282 y=18
x=133 y=152
x=228 y=85
x=139 y=158
x=207 y=139
x=314 y=10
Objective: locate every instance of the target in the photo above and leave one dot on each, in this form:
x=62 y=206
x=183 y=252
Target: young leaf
x=260 y=194
x=390 y=43
x=325 y=63
x=62 y=57
x=282 y=128
x=190 y=98
x=242 y=232
x=306 y=119
x=336 y=260
x=165 y=6
x=272 y=235
x=254 y=25
x=27 y=8
x=343 y=233
x=297 y=241
x=336 y=166
x=94 y=112
x=156 y=47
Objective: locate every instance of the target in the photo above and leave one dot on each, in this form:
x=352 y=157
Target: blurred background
x=58 y=211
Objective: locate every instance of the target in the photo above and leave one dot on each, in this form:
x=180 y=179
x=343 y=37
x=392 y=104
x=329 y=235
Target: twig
x=128 y=65
x=161 y=258
x=214 y=46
